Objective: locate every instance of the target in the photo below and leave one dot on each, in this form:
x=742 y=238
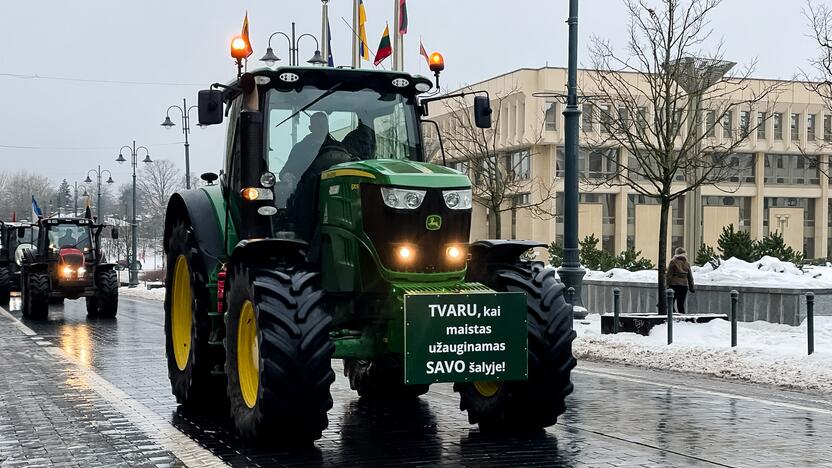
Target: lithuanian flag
x=384 y=47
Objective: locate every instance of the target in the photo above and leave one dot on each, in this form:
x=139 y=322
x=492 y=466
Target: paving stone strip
x=54 y=412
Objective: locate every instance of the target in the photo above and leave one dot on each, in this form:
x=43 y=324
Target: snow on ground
x=767 y=353
x=141 y=292
x=767 y=272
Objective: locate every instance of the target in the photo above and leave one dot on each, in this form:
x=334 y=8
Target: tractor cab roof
x=347 y=79
x=65 y=221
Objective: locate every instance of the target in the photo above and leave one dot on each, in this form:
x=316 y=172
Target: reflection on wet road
x=617 y=416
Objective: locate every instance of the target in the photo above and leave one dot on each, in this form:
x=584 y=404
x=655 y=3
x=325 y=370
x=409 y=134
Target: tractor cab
x=15 y=237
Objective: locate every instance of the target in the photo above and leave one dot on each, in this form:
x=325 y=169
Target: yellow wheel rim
x=182 y=313
x=487 y=389
x=248 y=354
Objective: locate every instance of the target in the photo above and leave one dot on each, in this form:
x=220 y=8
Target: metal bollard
x=616 y=308
x=669 y=316
x=570 y=296
x=735 y=296
x=810 y=320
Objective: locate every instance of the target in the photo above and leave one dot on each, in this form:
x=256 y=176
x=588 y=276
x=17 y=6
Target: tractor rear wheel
x=187 y=326
x=537 y=402
x=105 y=301
x=5 y=285
x=381 y=379
x=278 y=354
x=37 y=296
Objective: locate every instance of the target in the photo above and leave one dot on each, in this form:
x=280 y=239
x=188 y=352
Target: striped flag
x=423 y=52
x=363 y=48
x=329 y=60
x=384 y=48
x=402 y=17
x=245 y=37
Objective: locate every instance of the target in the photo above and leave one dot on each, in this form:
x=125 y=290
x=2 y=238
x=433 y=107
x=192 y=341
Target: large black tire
x=294 y=369
x=537 y=402
x=37 y=296
x=105 y=302
x=5 y=285
x=381 y=379
x=194 y=386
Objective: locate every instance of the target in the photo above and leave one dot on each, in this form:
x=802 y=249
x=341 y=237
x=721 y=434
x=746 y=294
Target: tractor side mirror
x=482 y=111
x=209 y=177
x=114 y=233
x=210 y=106
x=21 y=231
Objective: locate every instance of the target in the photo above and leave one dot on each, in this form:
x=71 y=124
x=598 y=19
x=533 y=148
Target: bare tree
x=819 y=79
x=501 y=178
x=662 y=101
x=18 y=190
x=156 y=184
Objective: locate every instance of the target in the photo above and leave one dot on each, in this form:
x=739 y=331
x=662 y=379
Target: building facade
x=780 y=182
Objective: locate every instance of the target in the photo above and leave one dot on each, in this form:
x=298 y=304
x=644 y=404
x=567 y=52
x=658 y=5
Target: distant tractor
x=14 y=237
x=330 y=235
x=65 y=261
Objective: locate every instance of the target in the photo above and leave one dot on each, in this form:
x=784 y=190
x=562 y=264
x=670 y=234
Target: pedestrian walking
x=680 y=278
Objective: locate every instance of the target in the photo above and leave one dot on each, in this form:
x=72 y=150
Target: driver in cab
x=305 y=151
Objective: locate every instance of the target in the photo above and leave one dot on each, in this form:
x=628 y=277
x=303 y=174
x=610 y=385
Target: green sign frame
x=465 y=337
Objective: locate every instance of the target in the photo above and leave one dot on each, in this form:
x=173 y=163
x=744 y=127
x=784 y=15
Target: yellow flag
x=362 y=31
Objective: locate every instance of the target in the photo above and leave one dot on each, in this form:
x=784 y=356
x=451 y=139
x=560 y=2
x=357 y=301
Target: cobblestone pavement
x=617 y=416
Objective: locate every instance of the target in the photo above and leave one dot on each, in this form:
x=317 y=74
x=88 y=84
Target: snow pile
x=141 y=292
x=767 y=353
x=768 y=272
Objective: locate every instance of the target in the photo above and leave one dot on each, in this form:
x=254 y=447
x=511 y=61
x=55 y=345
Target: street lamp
x=134 y=158
x=85 y=194
x=270 y=58
x=185 y=112
x=98 y=174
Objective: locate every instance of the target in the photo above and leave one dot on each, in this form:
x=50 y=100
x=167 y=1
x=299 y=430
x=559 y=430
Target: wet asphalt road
x=618 y=416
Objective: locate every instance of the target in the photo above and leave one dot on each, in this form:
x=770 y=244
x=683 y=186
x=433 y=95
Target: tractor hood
x=399 y=172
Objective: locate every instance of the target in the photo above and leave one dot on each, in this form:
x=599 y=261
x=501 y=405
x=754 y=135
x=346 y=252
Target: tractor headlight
x=402 y=199
x=67 y=271
x=267 y=179
x=82 y=271
x=457 y=199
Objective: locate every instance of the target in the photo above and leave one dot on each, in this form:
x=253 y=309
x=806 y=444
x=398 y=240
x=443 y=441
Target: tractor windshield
x=364 y=124
x=73 y=236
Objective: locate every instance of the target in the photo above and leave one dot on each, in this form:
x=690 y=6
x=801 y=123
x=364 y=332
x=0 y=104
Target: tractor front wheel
x=537 y=402
x=37 y=296
x=5 y=285
x=381 y=379
x=187 y=326
x=105 y=301
x=278 y=355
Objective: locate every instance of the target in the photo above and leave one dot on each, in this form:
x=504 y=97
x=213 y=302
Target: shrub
x=738 y=244
x=773 y=245
x=598 y=259
x=631 y=260
x=555 y=254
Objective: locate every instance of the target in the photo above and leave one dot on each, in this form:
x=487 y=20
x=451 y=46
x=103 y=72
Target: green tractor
x=329 y=236
x=14 y=238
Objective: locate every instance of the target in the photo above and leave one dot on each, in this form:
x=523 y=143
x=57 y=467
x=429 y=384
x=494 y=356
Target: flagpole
x=397 y=40
x=324 y=32
x=356 y=53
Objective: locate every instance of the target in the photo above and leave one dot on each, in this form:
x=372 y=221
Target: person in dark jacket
x=680 y=278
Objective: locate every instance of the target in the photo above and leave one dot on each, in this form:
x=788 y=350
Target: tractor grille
x=389 y=228
x=73 y=259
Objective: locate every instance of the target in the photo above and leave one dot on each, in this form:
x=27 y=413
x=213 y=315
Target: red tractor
x=66 y=262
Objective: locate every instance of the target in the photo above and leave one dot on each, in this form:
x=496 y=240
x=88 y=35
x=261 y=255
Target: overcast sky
x=82 y=124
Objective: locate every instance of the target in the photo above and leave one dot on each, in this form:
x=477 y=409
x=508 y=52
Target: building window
x=624 y=117
x=551 y=117
x=586 y=115
x=728 y=125
x=827 y=127
x=605 y=118
x=795 y=127
x=810 y=127
x=522 y=199
x=592 y=164
x=710 y=123
x=778 y=125
x=675 y=124
x=461 y=166
x=518 y=165
x=761 y=125
x=745 y=123
x=791 y=169
x=740 y=168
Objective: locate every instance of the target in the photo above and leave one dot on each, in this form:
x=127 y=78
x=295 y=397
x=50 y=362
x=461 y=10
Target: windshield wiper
x=312 y=103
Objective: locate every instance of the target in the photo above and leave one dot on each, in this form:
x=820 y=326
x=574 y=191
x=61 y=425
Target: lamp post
x=75 y=213
x=98 y=173
x=185 y=112
x=571 y=272
x=134 y=158
x=270 y=58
